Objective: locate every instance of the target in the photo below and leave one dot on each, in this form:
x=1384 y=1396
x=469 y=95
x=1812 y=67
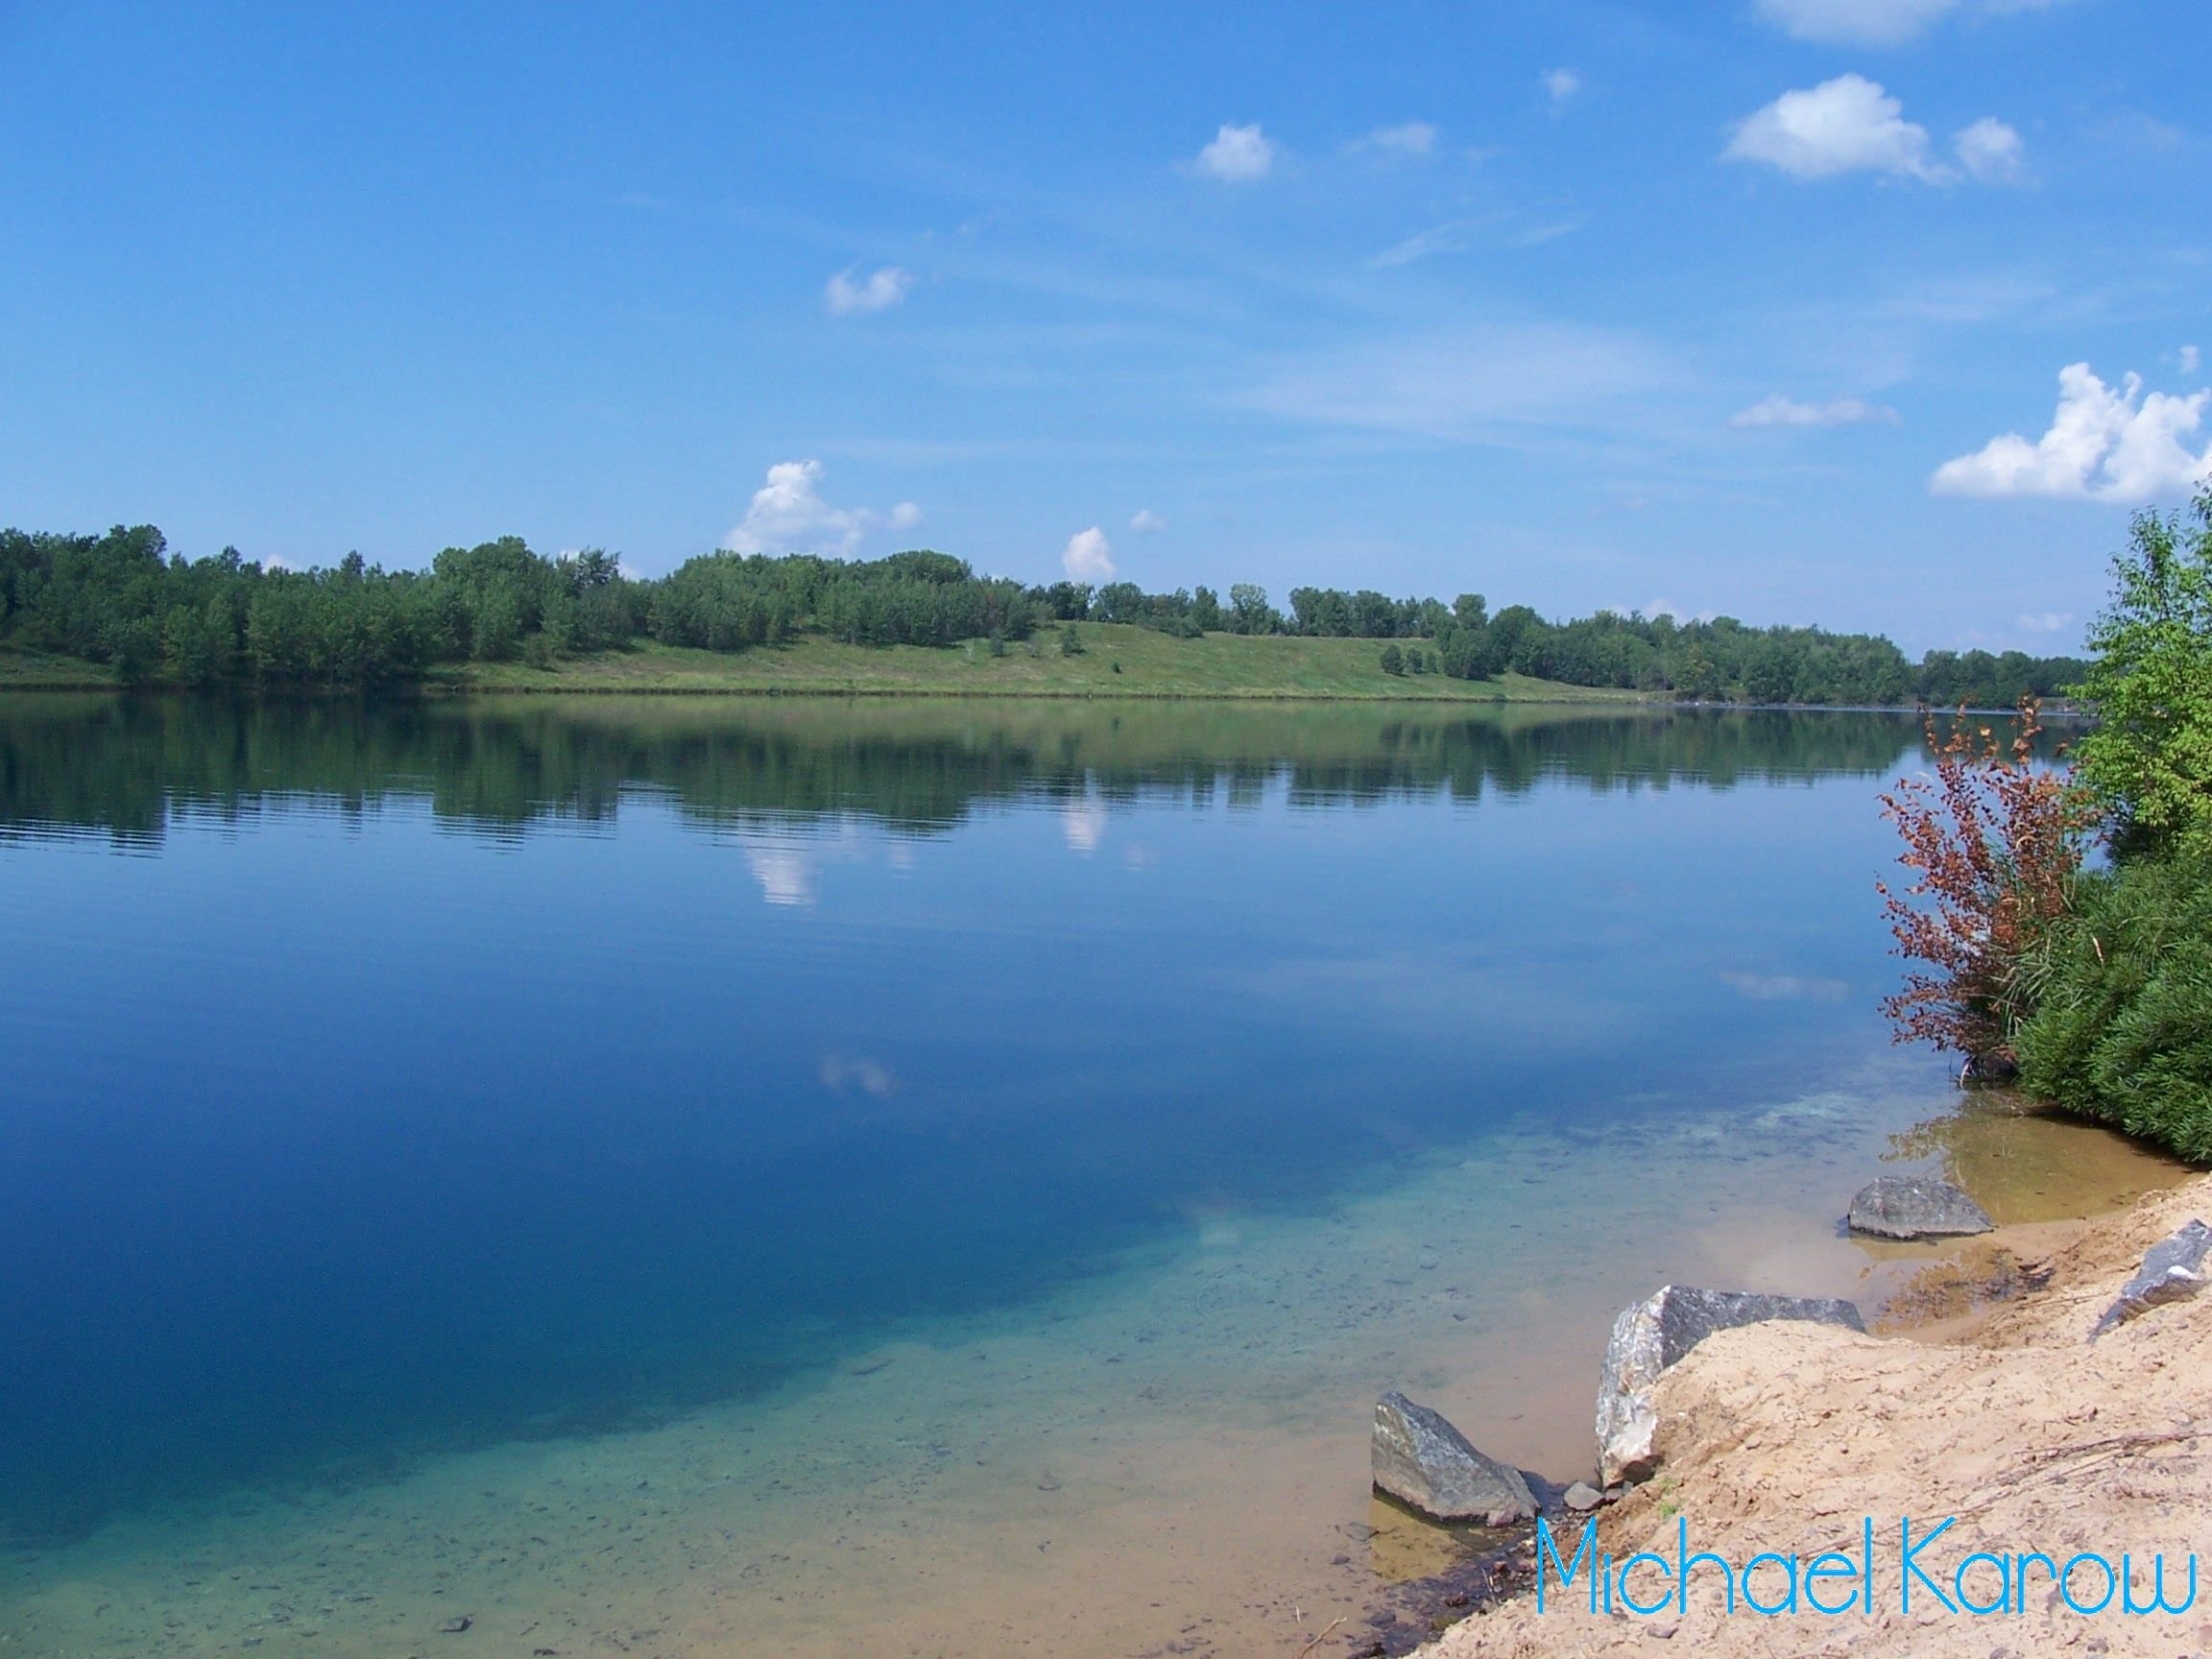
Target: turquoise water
x=404 y=1100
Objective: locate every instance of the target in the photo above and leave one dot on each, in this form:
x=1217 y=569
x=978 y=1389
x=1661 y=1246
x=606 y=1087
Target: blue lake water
x=414 y=1116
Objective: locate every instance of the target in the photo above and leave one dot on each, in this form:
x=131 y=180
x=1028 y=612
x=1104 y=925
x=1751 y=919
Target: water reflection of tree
x=123 y=766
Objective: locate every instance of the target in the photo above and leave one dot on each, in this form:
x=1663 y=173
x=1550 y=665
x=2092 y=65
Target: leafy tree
x=1249 y=611
x=2150 y=754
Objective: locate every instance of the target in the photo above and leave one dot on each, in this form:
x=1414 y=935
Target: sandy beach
x=1788 y=1437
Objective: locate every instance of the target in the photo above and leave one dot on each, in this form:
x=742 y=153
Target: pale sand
x=1781 y=1437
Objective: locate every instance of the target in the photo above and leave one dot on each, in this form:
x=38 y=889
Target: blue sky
x=1723 y=308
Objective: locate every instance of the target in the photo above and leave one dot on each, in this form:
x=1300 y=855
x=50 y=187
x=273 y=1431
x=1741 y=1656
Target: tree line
x=123 y=599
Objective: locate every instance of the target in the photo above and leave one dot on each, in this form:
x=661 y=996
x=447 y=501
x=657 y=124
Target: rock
x=2171 y=1269
x=1656 y=1332
x=1421 y=1461
x=456 y=1626
x=1582 y=1498
x=1916 y=1207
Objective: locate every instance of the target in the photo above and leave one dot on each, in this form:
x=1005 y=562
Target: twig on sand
x=1318 y=1640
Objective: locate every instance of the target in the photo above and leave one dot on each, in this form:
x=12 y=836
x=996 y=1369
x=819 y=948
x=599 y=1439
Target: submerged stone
x=2171 y=1269
x=1423 y=1461
x=1654 y=1335
x=1916 y=1207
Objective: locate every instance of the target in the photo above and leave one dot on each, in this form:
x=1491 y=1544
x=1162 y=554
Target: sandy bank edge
x=1782 y=1437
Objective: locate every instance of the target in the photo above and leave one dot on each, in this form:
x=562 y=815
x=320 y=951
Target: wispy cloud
x=2045 y=621
x=1147 y=522
x=1453 y=236
x=787 y=515
x=2105 y=443
x=1410 y=138
x=1459 y=235
x=1781 y=411
x=879 y=290
x=1560 y=85
x=1238 y=154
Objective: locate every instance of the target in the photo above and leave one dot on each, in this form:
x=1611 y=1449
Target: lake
x=699 y=1175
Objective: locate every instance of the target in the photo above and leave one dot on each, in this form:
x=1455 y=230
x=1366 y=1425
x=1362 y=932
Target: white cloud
x=1874 y=22
x=1410 y=138
x=2191 y=361
x=787 y=515
x=1991 y=152
x=1238 y=154
x=1147 y=522
x=1089 y=557
x=1847 y=125
x=2046 y=621
x=1850 y=125
x=2104 y=444
x=1561 y=85
x=1781 y=411
x=879 y=290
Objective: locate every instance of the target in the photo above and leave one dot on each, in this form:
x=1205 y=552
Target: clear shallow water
x=969 y=1130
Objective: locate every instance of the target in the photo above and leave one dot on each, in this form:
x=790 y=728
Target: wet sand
x=1171 y=1459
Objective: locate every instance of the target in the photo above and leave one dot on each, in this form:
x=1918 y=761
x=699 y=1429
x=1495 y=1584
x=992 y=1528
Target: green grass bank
x=1116 y=661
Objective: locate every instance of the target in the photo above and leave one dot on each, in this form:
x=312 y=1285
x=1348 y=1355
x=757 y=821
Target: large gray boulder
x=1916 y=1207
x=1421 y=1461
x=2171 y=1269
x=1654 y=1335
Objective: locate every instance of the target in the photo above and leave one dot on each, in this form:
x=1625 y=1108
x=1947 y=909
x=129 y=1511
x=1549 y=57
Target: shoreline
x=1588 y=698
x=1974 y=1394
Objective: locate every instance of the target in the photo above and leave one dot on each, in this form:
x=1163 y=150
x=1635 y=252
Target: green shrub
x=2123 y=1028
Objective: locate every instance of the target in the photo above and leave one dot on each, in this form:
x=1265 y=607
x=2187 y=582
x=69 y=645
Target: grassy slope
x=1153 y=664
x=38 y=671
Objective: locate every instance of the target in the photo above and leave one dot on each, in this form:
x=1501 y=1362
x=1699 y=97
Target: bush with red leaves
x=1995 y=843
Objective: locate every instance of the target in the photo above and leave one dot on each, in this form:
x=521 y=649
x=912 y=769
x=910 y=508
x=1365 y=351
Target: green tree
x=2150 y=757
x=1249 y=611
